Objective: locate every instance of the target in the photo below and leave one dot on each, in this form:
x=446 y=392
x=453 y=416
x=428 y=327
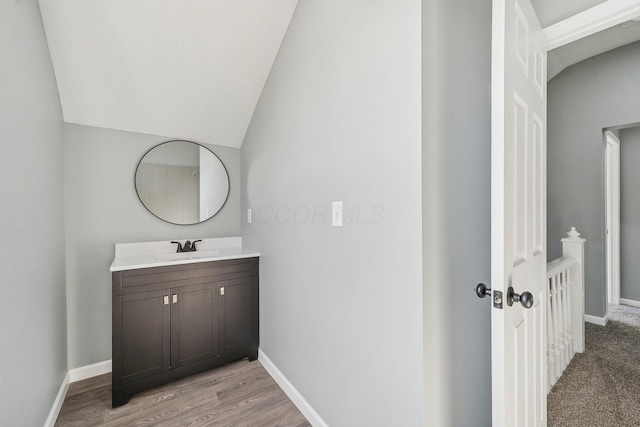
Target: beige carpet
x=601 y=387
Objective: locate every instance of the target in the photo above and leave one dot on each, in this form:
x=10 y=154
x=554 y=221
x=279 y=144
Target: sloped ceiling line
x=591 y=21
x=192 y=70
x=602 y=28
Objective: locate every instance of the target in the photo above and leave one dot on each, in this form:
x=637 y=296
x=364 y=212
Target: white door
x=612 y=190
x=518 y=215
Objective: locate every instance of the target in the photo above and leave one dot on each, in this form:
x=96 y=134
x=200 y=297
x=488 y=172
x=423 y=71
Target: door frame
x=612 y=216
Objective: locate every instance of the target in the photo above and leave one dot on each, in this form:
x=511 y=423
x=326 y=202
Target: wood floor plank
x=172 y=412
x=238 y=394
x=165 y=403
x=84 y=386
x=86 y=409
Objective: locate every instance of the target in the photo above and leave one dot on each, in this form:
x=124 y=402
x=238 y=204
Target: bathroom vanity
x=176 y=314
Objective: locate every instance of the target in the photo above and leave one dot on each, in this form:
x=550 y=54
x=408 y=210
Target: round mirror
x=182 y=182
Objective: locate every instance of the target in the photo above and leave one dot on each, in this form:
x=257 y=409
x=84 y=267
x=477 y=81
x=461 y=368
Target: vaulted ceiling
x=591 y=26
x=195 y=69
x=185 y=69
x=593 y=45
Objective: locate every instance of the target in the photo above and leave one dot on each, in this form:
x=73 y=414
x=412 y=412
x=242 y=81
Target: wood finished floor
x=239 y=394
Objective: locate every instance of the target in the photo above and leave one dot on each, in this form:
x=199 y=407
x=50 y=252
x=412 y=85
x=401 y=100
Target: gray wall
x=33 y=318
x=102 y=209
x=339 y=119
x=584 y=99
x=456 y=211
x=629 y=213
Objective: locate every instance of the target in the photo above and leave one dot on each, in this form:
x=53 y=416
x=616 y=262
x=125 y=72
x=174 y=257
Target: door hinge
x=222 y=290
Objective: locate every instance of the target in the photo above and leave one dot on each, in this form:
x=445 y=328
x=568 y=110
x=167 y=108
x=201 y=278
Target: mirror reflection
x=182 y=182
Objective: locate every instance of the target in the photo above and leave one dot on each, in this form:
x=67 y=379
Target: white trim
x=602 y=321
x=72 y=376
x=600 y=17
x=57 y=404
x=295 y=396
x=612 y=216
x=89 y=371
x=630 y=302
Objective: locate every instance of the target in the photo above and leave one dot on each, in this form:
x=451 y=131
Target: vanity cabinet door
x=144 y=338
x=194 y=334
x=173 y=321
x=238 y=317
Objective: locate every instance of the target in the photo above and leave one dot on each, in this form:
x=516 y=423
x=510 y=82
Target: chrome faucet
x=188 y=246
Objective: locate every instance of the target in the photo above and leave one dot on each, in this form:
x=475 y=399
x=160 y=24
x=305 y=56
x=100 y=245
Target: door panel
x=236 y=314
x=145 y=340
x=193 y=324
x=518 y=235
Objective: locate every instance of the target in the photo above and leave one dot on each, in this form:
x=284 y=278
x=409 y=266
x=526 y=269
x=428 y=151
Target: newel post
x=573 y=247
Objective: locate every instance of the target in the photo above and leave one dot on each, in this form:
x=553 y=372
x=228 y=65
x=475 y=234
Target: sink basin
x=182 y=256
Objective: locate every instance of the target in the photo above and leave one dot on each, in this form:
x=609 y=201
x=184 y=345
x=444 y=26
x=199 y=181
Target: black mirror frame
x=135 y=185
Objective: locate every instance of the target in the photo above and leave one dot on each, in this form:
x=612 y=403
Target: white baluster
x=556 y=326
x=569 y=326
x=561 y=307
x=551 y=367
x=565 y=320
x=565 y=306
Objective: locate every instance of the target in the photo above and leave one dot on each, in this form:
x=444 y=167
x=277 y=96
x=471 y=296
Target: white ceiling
x=585 y=48
x=192 y=70
x=195 y=70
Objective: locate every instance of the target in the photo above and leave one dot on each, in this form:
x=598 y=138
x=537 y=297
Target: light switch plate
x=249 y=216
x=336 y=214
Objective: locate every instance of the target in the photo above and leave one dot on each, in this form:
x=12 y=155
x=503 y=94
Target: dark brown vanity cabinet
x=171 y=322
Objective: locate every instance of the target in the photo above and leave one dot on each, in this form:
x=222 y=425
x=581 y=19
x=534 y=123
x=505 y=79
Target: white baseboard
x=295 y=396
x=77 y=374
x=57 y=404
x=630 y=302
x=89 y=371
x=602 y=321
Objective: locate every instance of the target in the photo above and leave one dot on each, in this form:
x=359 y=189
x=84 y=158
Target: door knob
x=482 y=290
x=526 y=299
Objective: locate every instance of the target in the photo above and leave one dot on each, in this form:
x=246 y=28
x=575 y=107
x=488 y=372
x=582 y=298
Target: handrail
x=559 y=265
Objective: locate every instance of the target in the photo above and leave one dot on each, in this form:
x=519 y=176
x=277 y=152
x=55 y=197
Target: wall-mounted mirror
x=182 y=182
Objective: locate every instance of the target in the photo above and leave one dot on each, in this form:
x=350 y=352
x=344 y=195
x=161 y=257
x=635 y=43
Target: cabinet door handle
x=175 y=298
x=166 y=300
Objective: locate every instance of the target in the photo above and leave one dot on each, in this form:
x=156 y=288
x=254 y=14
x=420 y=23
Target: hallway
x=601 y=387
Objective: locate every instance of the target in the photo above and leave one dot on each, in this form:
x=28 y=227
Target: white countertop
x=129 y=256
